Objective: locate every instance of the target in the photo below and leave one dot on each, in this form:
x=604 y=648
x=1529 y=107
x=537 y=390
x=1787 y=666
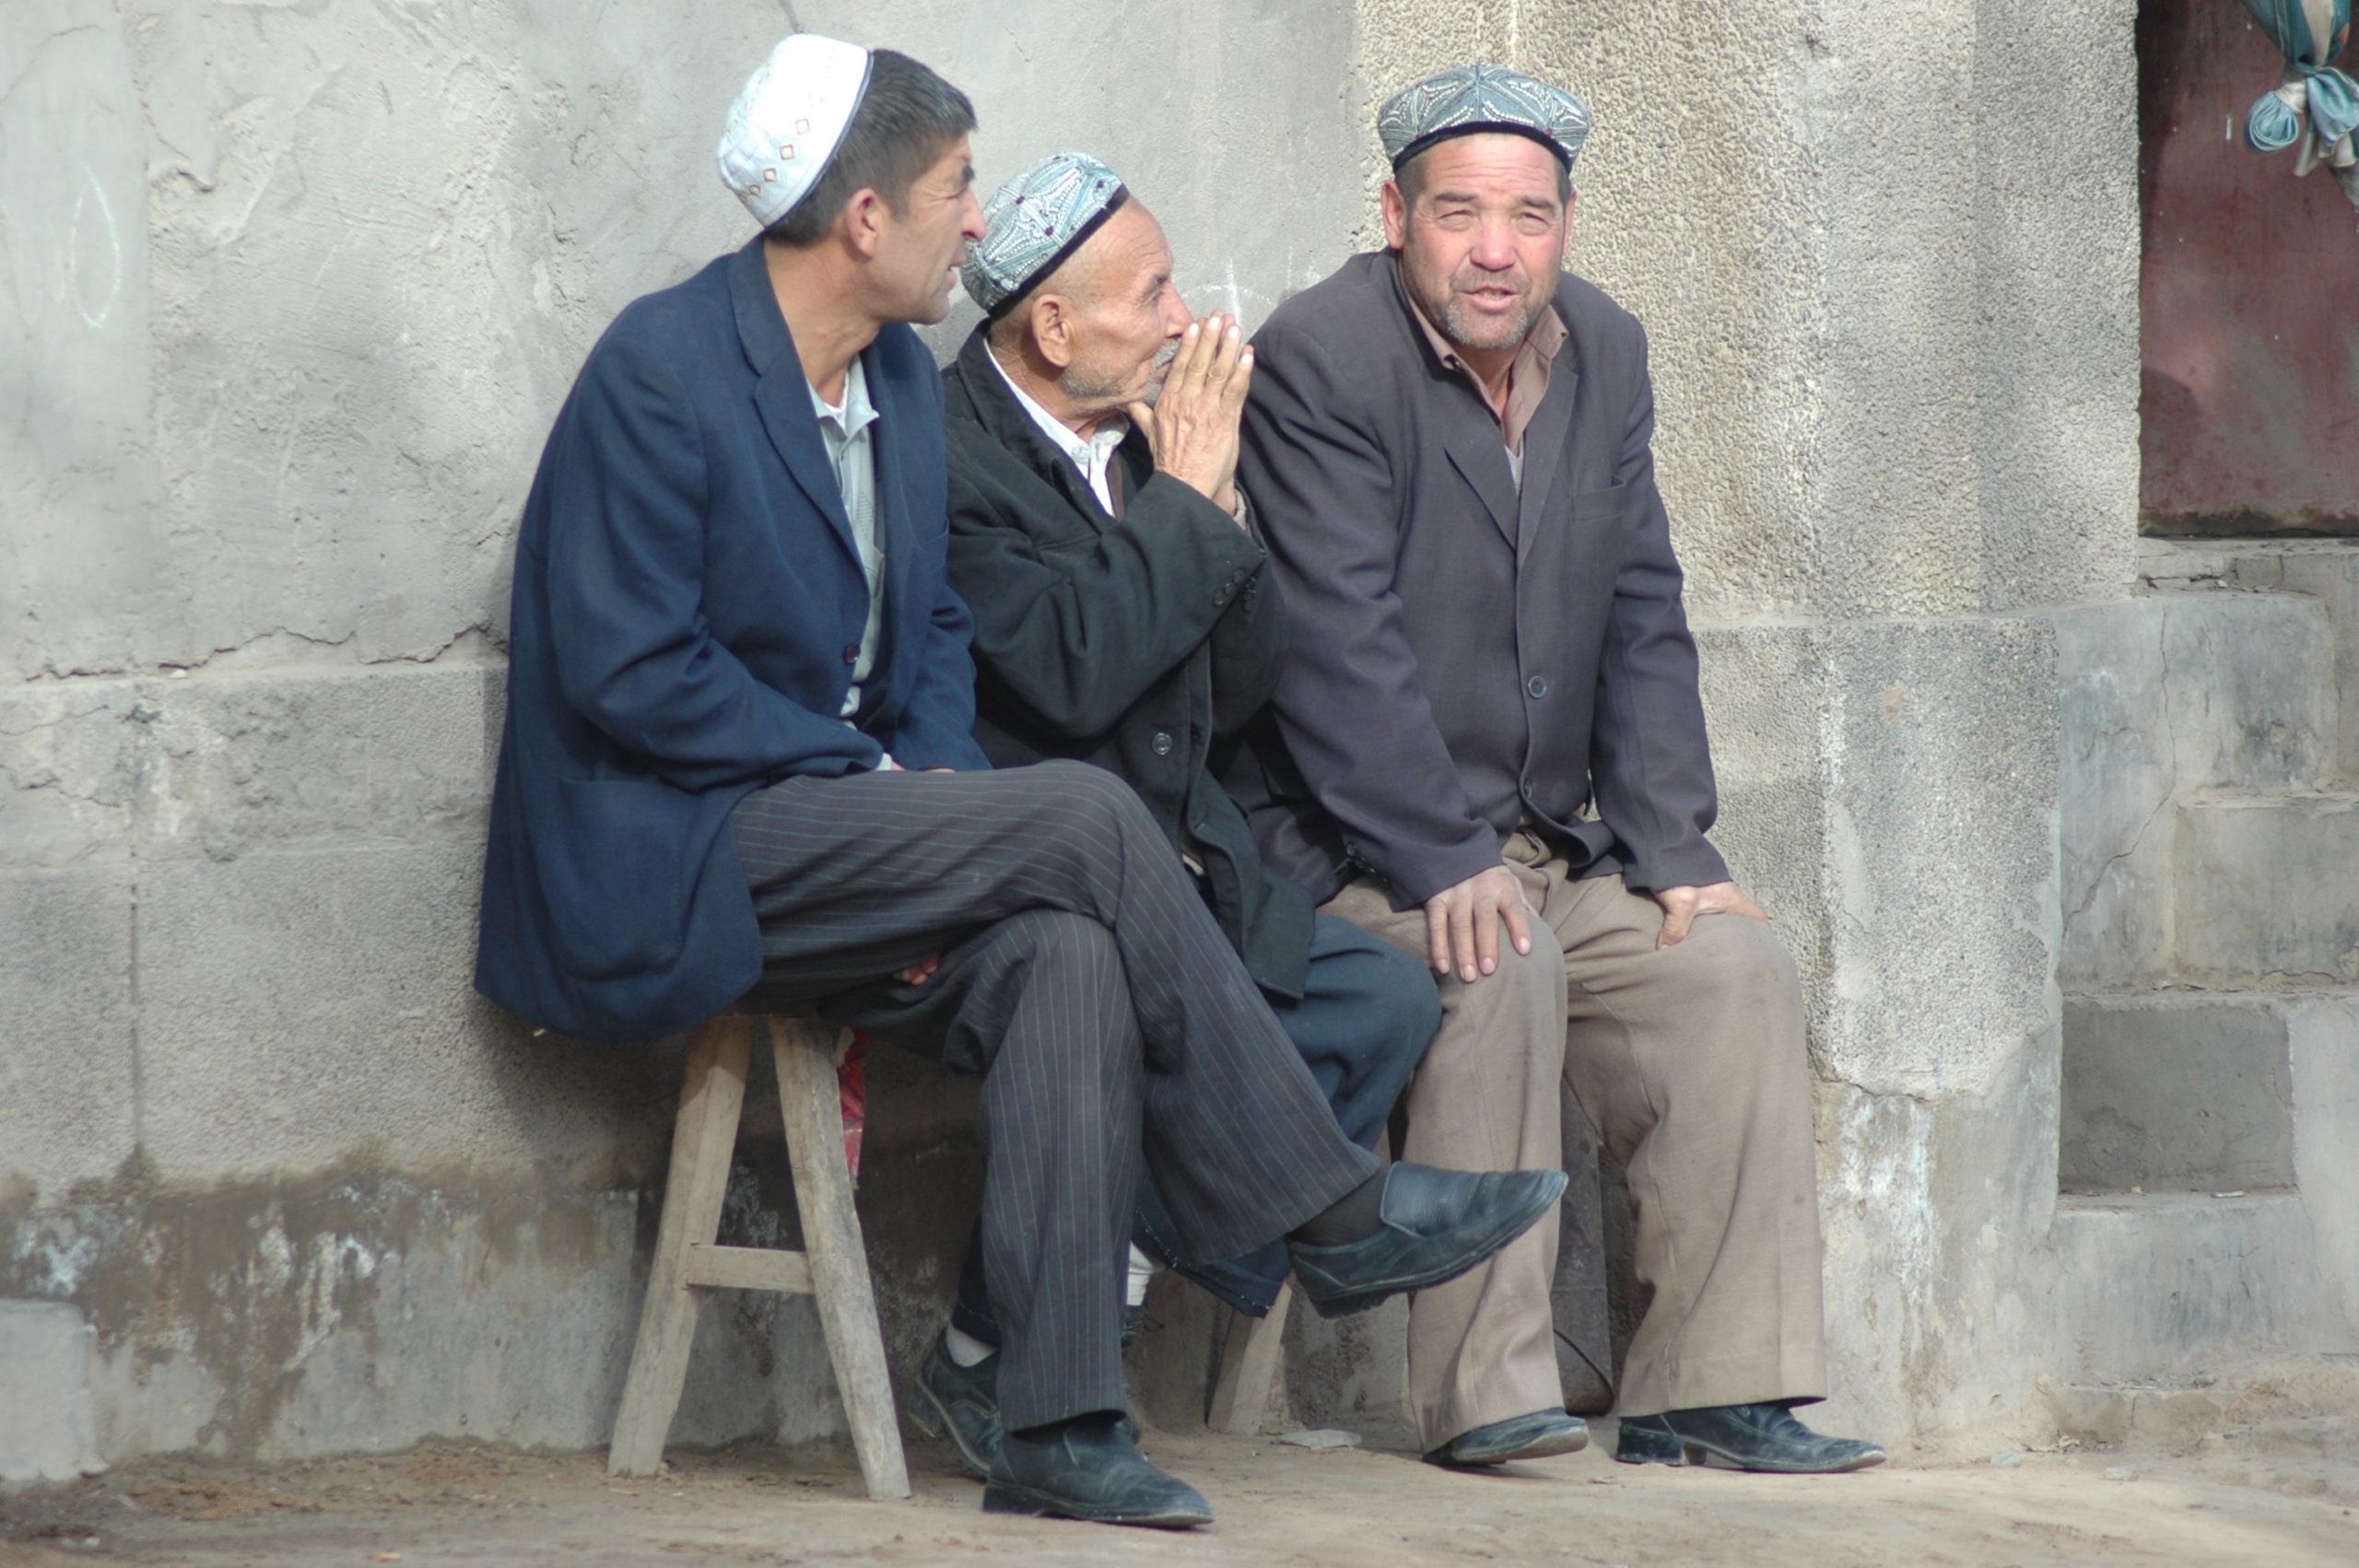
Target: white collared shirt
x=1092 y=456
x=845 y=427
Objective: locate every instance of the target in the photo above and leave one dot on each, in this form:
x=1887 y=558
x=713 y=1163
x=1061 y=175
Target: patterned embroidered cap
x=1035 y=221
x=787 y=121
x=1481 y=98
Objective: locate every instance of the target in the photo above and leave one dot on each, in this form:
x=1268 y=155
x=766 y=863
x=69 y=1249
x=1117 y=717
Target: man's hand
x=1462 y=923
x=1681 y=905
x=919 y=973
x=1192 y=425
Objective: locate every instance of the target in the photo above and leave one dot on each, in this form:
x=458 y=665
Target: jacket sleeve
x=1651 y=762
x=626 y=583
x=1350 y=704
x=936 y=726
x=1250 y=643
x=1077 y=630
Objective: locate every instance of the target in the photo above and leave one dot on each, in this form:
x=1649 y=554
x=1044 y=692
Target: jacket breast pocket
x=1603 y=508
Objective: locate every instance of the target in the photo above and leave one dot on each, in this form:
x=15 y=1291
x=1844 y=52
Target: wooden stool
x=833 y=1266
x=1253 y=1355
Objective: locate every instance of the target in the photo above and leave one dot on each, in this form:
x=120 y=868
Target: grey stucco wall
x=288 y=294
x=292 y=293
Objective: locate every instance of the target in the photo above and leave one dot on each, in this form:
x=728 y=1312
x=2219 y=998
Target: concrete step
x=2324 y=571
x=2160 y=700
x=2163 y=1284
x=2185 y=1089
x=2264 y=889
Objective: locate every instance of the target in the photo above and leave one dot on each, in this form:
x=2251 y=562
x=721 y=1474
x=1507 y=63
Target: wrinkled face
x=1126 y=317
x=924 y=245
x=1482 y=245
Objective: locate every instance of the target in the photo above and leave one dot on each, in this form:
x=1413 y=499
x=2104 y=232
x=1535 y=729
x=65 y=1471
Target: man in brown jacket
x=1489 y=723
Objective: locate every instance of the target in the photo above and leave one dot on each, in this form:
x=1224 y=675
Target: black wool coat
x=1139 y=645
x=1470 y=653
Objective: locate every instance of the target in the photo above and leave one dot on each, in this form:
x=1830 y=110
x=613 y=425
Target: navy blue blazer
x=686 y=609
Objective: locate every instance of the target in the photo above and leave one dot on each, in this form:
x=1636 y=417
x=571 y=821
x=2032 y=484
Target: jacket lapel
x=896 y=530
x=1478 y=454
x=1470 y=430
x=1010 y=424
x=781 y=397
x=1543 y=445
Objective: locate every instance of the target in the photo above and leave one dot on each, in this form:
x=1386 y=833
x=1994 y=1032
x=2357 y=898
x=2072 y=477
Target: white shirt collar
x=1092 y=456
x=855 y=412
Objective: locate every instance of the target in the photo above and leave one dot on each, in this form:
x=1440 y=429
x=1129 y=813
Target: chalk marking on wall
x=90 y=187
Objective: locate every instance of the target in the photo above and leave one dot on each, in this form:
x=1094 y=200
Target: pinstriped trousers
x=1084 y=979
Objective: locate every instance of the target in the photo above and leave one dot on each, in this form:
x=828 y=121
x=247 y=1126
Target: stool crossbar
x=833 y=1266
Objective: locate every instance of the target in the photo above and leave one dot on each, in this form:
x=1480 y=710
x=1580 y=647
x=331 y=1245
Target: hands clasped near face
x=1191 y=426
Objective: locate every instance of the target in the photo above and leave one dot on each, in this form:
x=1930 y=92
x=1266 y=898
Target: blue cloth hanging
x=2315 y=98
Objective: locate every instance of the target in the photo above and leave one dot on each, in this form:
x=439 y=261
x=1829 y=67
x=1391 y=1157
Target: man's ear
x=862 y=224
x=1053 y=329
x=1396 y=216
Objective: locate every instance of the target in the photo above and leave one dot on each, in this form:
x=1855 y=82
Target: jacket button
x=851 y=654
x=1162 y=743
x=1537 y=687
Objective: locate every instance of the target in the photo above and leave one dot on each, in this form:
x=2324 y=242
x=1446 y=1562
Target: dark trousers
x=1086 y=983
x=1367 y=1014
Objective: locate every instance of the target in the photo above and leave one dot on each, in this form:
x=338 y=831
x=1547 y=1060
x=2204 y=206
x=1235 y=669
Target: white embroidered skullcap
x=1034 y=222
x=787 y=121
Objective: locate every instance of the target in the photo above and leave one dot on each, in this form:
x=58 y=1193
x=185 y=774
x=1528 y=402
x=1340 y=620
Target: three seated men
x=738 y=752
x=742 y=752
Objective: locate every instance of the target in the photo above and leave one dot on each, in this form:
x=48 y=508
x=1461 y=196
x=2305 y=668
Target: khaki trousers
x=1690 y=1063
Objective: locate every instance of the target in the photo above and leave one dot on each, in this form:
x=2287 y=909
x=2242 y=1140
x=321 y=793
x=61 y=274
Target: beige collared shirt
x=1527 y=377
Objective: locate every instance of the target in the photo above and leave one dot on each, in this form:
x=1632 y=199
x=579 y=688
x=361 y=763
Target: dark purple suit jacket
x=1466 y=656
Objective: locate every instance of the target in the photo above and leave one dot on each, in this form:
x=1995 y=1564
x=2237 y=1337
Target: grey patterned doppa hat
x=1035 y=221
x=1481 y=98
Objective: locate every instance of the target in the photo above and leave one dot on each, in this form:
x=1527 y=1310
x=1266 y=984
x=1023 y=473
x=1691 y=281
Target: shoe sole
x=1517 y=1222
x=1539 y=1448
x=1703 y=1456
x=1013 y=1497
x=929 y=1415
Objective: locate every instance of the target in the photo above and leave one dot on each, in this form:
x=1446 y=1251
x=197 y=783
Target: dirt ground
x=2280 y=1492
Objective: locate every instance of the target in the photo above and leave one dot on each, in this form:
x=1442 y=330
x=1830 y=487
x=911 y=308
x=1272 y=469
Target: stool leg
x=702 y=1143
x=1250 y=1360
x=815 y=1143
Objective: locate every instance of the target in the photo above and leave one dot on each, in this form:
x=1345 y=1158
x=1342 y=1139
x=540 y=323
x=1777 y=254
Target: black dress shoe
x=960 y=1403
x=1747 y=1437
x=1436 y=1226
x=1534 y=1436
x=1089 y=1470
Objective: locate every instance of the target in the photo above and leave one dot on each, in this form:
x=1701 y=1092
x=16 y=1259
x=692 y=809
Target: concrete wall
x=289 y=296
x=293 y=291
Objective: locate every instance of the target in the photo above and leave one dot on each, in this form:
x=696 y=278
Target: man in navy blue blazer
x=738 y=756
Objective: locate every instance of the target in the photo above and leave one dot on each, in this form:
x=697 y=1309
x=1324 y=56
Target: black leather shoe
x=1089 y=1470
x=1135 y=1322
x=1747 y=1437
x=1534 y=1436
x=960 y=1403
x=1436 y=1226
